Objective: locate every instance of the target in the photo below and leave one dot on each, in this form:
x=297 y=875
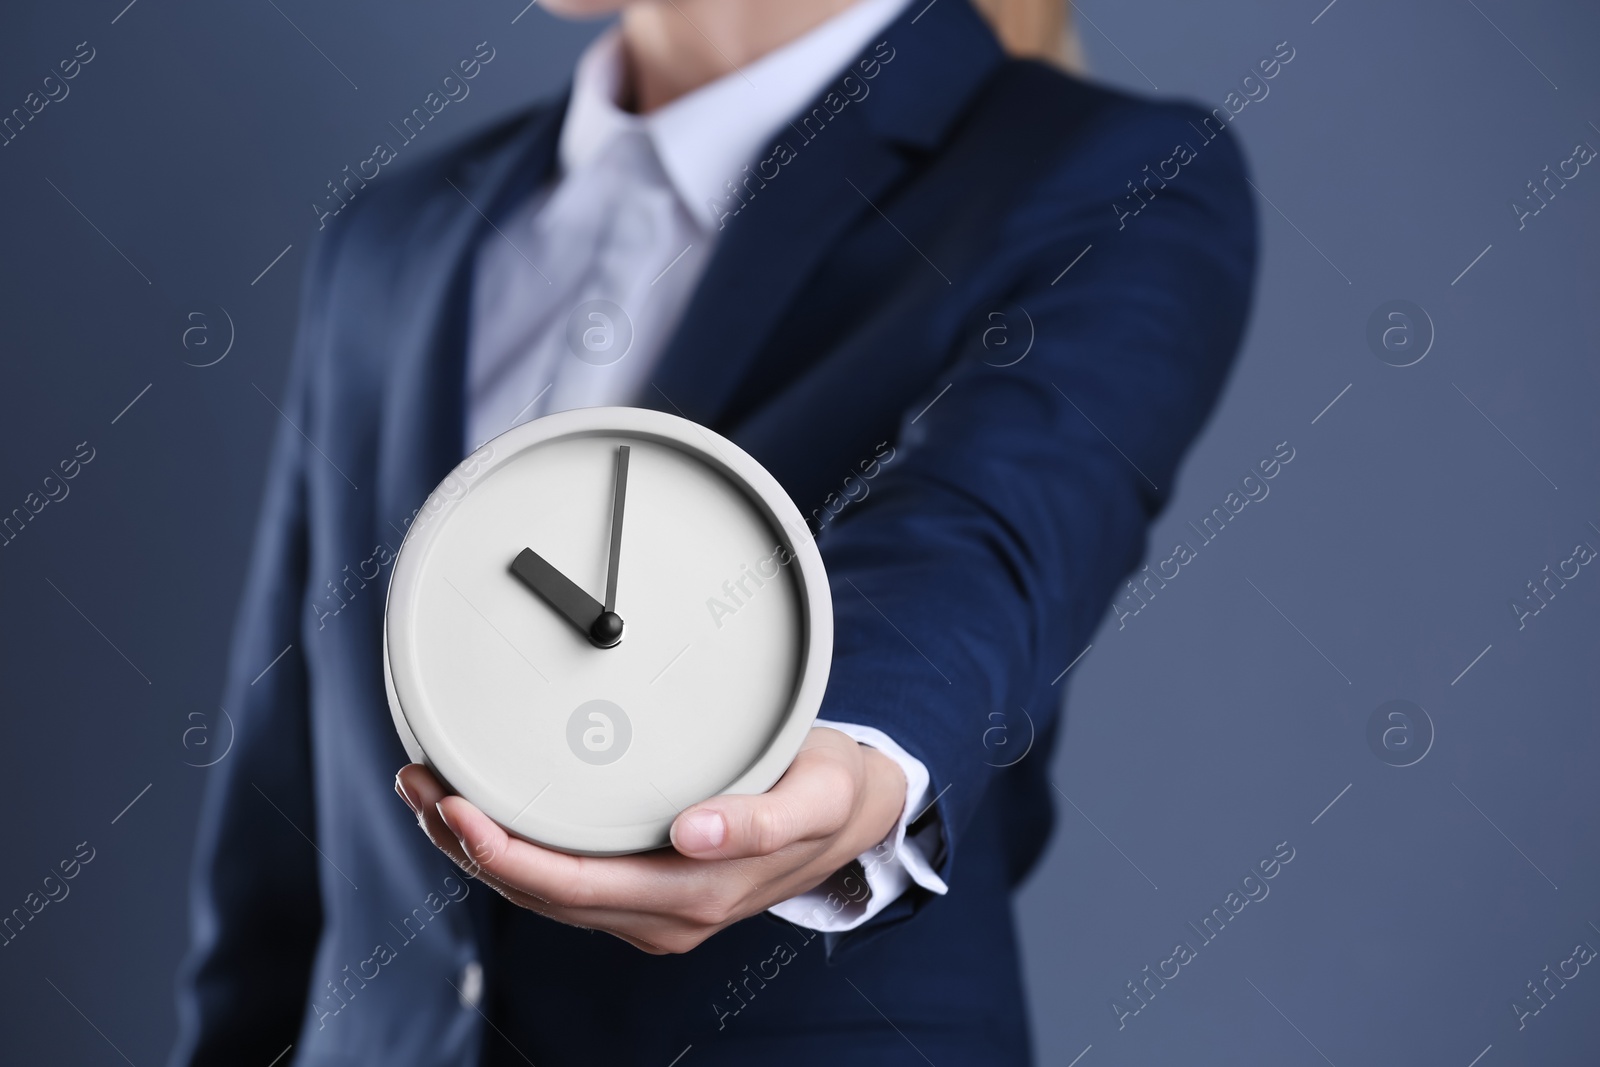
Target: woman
x=969 y=310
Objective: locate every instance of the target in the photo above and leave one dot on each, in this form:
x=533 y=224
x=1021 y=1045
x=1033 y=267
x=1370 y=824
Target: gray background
x=1221 y=720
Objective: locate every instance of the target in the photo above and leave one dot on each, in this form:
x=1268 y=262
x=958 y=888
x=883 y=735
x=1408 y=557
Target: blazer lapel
x=941 y=57
x=422 y=420
x=834 y=180
x=765 y=254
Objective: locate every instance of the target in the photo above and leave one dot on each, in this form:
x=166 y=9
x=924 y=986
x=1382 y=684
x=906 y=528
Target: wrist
x=884 y=798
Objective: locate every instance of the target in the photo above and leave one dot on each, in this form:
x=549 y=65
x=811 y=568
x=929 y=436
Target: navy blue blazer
x=1029 y=288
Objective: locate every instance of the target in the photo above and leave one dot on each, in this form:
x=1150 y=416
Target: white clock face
x=504 y=679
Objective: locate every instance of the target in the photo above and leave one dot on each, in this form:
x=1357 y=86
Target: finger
x=654 y=934
x=420 y=789
x=644 y=882
x=814 y=799
x=536 y=878
x=422 y=792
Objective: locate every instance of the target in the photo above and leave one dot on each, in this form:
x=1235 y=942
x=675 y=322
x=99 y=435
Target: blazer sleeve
x=988 y=551
x=255 y=913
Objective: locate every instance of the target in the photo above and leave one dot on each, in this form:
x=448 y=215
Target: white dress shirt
x=576 y=295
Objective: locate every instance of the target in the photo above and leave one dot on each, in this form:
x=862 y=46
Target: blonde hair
x=1036 y=29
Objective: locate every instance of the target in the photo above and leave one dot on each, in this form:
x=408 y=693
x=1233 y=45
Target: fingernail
x=708 y=826
x=451 y=826
x=411 y=802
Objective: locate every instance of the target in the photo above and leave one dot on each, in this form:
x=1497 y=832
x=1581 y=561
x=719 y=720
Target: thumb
x=813 y=799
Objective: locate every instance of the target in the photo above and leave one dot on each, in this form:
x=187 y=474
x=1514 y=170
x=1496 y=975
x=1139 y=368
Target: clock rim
x=747 y=475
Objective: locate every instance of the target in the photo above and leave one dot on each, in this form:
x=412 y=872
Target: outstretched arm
x=985 y=557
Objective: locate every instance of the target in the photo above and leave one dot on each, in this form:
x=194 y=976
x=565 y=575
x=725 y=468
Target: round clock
x=600 y=618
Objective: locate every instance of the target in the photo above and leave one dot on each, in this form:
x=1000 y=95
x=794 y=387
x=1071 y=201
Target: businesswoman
x=969 y=312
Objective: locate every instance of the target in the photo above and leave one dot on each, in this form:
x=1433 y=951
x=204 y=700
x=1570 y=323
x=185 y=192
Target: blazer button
x=471 y=984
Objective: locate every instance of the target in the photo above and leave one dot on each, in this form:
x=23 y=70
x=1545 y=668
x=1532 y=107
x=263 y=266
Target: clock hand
x=616 y=527
x=599 y=623
x=618 y=499
x=561 y=593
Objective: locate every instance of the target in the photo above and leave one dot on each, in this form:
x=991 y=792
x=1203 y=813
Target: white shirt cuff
x=842 y=902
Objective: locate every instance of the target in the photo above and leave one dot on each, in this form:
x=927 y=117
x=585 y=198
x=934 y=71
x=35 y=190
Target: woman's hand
x=732 y=856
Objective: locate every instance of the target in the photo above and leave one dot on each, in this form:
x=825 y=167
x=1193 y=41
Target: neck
x=673 y=47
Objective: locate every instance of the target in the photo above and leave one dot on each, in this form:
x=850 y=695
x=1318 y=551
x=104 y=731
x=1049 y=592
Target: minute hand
x=619 y=497
x=557 y=589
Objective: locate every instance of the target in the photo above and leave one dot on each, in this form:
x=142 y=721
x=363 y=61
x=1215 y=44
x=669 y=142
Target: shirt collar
x=705 y=138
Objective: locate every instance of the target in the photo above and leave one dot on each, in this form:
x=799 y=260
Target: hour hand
x=561 y=593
